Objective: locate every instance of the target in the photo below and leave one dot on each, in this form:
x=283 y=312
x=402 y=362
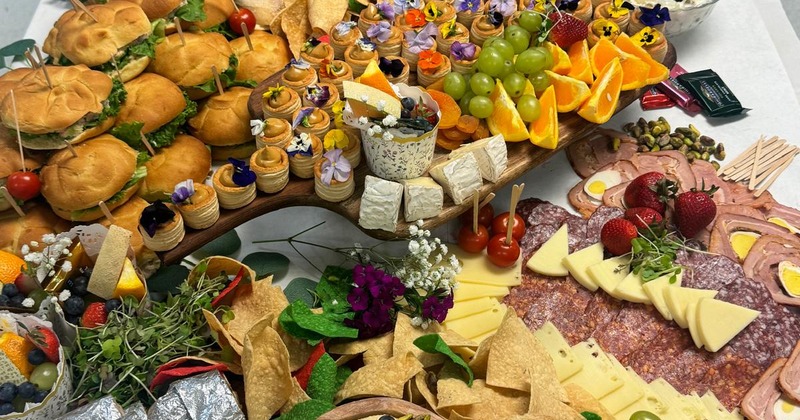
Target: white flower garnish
x=64 y=295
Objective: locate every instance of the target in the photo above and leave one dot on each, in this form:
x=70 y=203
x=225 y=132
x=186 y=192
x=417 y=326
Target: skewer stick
x=486 y=200
x=767 y=158
x=767 y=171
x=147 y=144
x=777 y=173
x=516 y=192
x=107 y=212
x=756 y=158
x=765 y=165
x=177 y=23
x=71 y=148
x=475 y=209
x=116 y=68
x=217 y=80
x=741 y=169
x=19 y=136
x=246 y=34
x=746 y=156
x=81 y=7
x=12 y=201
x=34 y=63
x=42 y=66
x=235 y=6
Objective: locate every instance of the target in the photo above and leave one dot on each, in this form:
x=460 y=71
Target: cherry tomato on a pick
x=485 y=216
x=500 y=225
x=500 y=253
x=23 y=185
x=473 y=242
x=243 y=15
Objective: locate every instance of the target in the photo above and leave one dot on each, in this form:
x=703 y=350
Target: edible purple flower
x=386 y=10
x=380 y=31
x=373 y=299
x=435 y=308
x=344 y=28
x=183 y=191
x=495 y=18
x=505 y=7
x=335 y=166
x=654 y=16
x=318 y=95
x=300 y=64
x=300 y=145
x=242 y=175
x=468 y=5
x=462 y=50
x=155 y=215
x=365 y=44
x=422 y=40
x=391 y=67
x=310 y=44
x=302 y=117
x=568 y=5
x=401 y=6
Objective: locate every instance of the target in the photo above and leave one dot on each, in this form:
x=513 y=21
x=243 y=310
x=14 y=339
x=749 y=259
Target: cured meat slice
x=715 y=272
x=526 y=206
x=586 y=205
x=596 y=221
x=630 y=330
x=534 y=237
x=662 y=357
x=705 y=235
x=759 y=402
x=763 y=260
x=728 y=223
x=789 y=214
x=544 y=220
x=730 y=377
x=706 y=176
x=600 y=311
x=740 y=194
x=789 y=377
x=615 y=196
x=595 y=152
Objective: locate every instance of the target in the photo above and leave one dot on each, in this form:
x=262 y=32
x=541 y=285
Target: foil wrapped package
x=207 y=396
x=135 y=412
x=677 y=92
x=104 y=408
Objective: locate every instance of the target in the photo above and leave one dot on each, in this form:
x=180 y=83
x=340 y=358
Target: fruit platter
x=646 y=271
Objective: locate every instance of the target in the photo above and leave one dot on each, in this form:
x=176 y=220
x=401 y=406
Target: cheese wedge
x=470 y=307
x=654 y=289
x=598 y=376
x=478 y=324
x=467 y=291
x=565 y=361
x=715 y=407
x=578 y=264
x=697 y=405
x=630 y=289
x=129 y=283
x=650 y=401
x=373 y=98
x=691 y=321
x=547 y=259
x=629 y=393
x=678 y=298
x=677 y=401
x=476 y=268
x=608 y=273
x=718 y=322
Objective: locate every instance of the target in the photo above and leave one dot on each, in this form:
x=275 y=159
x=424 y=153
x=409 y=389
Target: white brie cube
x=380 y=204
x=459 y=176
x=422 y=198
x=491 y=154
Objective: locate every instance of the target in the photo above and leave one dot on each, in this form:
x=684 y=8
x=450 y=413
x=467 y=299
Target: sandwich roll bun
x=157 y=9
x=38 y=220
x=224 y=120
x=186 y=158
x=190 y=65
x=152 y=100
x=269 y=55
x=217 y=11
x=9 y=79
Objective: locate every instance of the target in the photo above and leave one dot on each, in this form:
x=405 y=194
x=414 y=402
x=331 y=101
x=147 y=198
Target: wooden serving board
x=522 y=157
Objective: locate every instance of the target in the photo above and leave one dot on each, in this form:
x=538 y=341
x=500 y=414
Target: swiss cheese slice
x=565 y=361
x=476 y=268
x=691 y=322
x=373 y=98
x=547 y=259
x=470 y=307
x=715 y=407
x=678 y=298
x=467 y=291
x=697 y=405
x=578 y=264
x=654 y=289
x=608 y=273
x=598 y=376
x=478 y=324
x=718 y=322
x=650 y=401
x=678 y=402
x=629 y=393
x=630 y=289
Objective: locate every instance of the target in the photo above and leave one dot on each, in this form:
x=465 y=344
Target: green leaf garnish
x=266 y=263
x=322 y=384
x=192 y=11
x=588 y=415
x=300 y=288
x=305 y=410
x=433 y=343
x=298 y=320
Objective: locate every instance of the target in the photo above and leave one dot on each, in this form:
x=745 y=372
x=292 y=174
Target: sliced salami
x=595 y=223
x=526 y=206
x=587 y=156
x=658 y=358
x=714 y=273
x=634 y=325
x=730 y=377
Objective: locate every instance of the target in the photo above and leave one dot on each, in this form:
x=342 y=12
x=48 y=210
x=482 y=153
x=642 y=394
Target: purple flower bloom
x=183 y=191
x=335 y=166
x=155 y=215
x=422 y=40
x=463 y=50
x=365 y=44
x=242 y=175
x=380 y=31
x=568 y=5
x=358 y=298
x=468 y=5
x=318 y=95
x=302 y=117
x=655 y=16
x=505 y=7
x=344 y=28
x=401 y=6
x=300 y=64
x=301 y=145
x=495 y=18
x=435 y=308
x=386 y=10
x=391 y=67
x=373 y=300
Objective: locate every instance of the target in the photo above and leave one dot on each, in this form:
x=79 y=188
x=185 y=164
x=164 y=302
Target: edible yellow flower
x=335 y=139
x=272 y=92
x=605 y=28
x=647 y=36
x=617 y=9
x=338 y=109
x=448 y=28
x=431 y=12
x=541 y=5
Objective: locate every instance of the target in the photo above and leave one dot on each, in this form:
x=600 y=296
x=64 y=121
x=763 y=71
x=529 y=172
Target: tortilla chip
x=267 y=379
x=293 y=23
x=223 y=337
x=380 y=379
x=495 y=403
x=455 y=416
x=216 y=265
x=581 y=400
x=297 y=396
x=404 y=336
x=299 y=349
x=516 y=358
x=480 y=360
x=374 y=350
x=542 y=403
x=454 y=339
x=251 y=303
x=345 y=358
x=420 y=384
x=451 y=389
x=265 y=10
x=323 y=14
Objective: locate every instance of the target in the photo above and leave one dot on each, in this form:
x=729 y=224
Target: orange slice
x=374 y=77
x=658 y=72
x=544 y=131
x=578 y=54
x=449 y=108
x=10 y=267
x=570 y=93
x=505 y=119
x=602 y=104
x=635 y=71
x=561 y=62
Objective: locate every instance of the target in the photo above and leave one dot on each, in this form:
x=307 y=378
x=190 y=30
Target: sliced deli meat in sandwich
x=121 y=41
x=81 y=104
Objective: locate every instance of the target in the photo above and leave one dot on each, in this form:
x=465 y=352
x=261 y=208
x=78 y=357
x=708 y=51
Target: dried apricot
x=449 y=108
x=467 y=124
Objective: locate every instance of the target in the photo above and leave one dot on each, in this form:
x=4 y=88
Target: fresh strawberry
x=45 y=340
x=617 y=235
x=651 y=190
x=304 y=373
x=643 y=217
x=95 y=315
x=567 y=29
x=694 y=210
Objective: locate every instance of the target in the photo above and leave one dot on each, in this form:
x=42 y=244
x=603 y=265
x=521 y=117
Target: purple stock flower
x=655 y=16
x=380 y=31
x=505 y=7
x=242 y=175
x=435 y=308
x=335 y=166
x=373 y=299
x=422 y=40
x=468 y=5
x=358 y=298
x=462 y=50
x=386 y=10
x=318 y=95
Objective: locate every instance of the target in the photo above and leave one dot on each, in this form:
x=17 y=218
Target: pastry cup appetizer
x=388 y=39
x=643 y=17
x=279 y=102
x=463 y=56
x=439 y=11
x=197 y=203
x=304 y=151
x=412 y=19
x=359 y=55
x=396 y=69
x=161 y=227
x=346 y=139
x=235 y=184
x=653 y=41
x=344 y=34
x=316 y=52
x=271 y=166
x=469 y=10
x=336 y=72
x=432 y=66
x=489 y=24
x=272 y=132
x=333 y=177
x=602 y=28
x=450 y=32
x=299 y=75
x=615 y=11
x=581 y=9
x=374 y=13
x=311 y=120
x=322 y=96
x=416 y=41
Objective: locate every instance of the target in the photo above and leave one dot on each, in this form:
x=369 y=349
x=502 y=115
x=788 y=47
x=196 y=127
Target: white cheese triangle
x=678 y=298
x=630 y=289
x=547 y=259
x=608 y=273
x=691 y=321
x=718 y=322
x=578 y=264
x=654 y=289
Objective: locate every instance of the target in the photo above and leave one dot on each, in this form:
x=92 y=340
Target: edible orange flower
x=430 y=60
x=415 y=18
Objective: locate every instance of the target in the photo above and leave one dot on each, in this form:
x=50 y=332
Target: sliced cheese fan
x=547 y=259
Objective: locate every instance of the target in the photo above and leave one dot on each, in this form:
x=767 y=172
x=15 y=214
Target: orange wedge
x=635 y=71
x=544 y=131
x=658 y=72
x=561 y=63
x=600 y=106
x=449 y=108
x=578 y=54
x=570 y=93
x=374 y=77
x=505 y=119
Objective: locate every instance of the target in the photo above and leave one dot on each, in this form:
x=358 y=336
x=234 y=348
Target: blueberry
x=26 y=390
x=36 y=357
x=4 y=300
x=72 y=319
x=408 y=103
x=7 y=392
x=74 y=306
x=40 y=395
x=112 y=305
x=79 y=285
x=17 y=299
x=405 y=113
x=10 y=290
x=6 y=408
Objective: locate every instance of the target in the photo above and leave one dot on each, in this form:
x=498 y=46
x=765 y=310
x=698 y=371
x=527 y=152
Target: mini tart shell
x=303 y=166
x=300 y=86
x=339 y=45
x=284 y=111
x=316 y=61
x=658 y=50
x=282 y=140
x=232 y=197
x=337 y=191
x=319 y=129
x=204 y=213
x=391 y=46
x=447 y=9
x=601 y=12
x=327 y=106
x=167 y=236
x=466 y=18
x=635 y=25
x=365 y=22
x=592 y=37
x=358 y=65
x=338 y=81
x=445 y=43
x=478 y=36
x=584 y=11
x=413 y=57
x=403 y=77
x=270 y=178
x=464 y=66
x=424 y=79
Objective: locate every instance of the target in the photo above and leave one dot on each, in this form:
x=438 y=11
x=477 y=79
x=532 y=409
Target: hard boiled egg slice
x=783 y=223
x=789 y=274
x=786 y=409
x=598 y=183
x=742 y=242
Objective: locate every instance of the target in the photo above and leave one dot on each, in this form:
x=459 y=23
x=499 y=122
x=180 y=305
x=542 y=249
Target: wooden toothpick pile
x=761 y=164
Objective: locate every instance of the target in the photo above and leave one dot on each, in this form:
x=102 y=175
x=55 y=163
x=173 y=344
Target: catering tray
x=522 y=157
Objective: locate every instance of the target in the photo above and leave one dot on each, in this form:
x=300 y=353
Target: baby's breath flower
x=49 y=238
x=25 y=249
x=28 y=303
x=377 y=129
x=64 y=295
x=66 y=266
x=387 y=136
x=389 y=121
x=34 y=244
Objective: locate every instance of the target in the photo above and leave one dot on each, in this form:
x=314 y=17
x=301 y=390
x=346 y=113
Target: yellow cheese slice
x=598 y=376
x=654 y=289
x=565 y=361
x=697 y=405
x=483 y=336
x=470 y=307
x=678 y=298
x=629 y=393
x=547 y=259
x=718 y=322
x=650 y=401
x=715 y=407
x=691 y=321
x=608 y=273
x=476 y=268
x=630 y=289
x=467 y=291
x=373 y=98
x=478 y=324
x=578 y=264
x=677 y=401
